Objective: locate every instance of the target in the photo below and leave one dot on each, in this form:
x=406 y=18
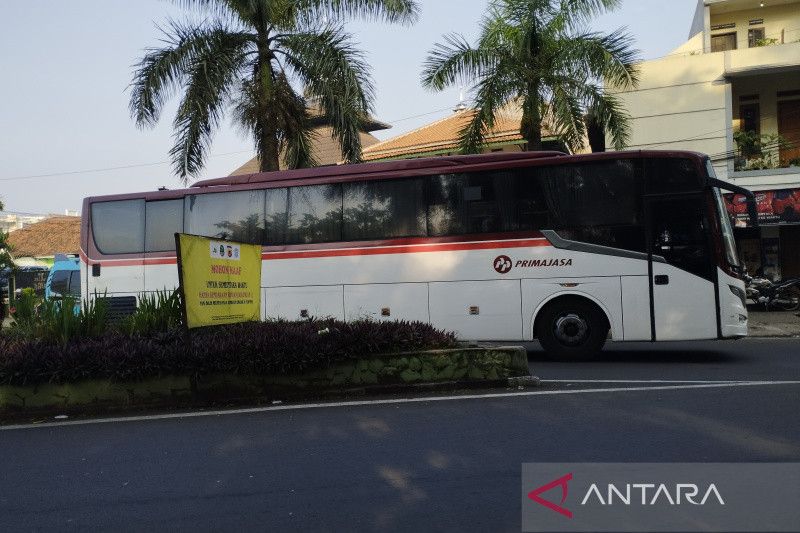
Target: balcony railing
x=767 y=151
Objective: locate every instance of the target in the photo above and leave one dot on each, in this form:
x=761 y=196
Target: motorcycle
x=781 y=296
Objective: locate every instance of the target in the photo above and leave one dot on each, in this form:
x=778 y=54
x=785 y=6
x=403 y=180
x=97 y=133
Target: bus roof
x=391 y=169
x=362 y=169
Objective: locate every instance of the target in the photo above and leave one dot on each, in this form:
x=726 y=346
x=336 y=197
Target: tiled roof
x=55 y=235
x=325 y=149
x=443 y=135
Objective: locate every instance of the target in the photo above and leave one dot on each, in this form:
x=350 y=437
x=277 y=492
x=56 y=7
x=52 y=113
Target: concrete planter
x=405 y=369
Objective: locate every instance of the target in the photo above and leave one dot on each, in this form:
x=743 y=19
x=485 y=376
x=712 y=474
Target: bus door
x=682 y=268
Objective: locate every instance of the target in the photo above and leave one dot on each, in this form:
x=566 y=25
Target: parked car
x=64 y=280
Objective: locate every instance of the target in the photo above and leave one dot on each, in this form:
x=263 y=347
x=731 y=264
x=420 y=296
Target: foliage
x=56 y=321
x=253 y=348
x=25 y=307
x=538 y=54
x=156 y=313
x=5 y=252
x=765 y=42
x=759 y=151
x=246 y=57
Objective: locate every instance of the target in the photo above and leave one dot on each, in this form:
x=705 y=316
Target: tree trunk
x=266 y=130
x=268 y=150
x=531 y=126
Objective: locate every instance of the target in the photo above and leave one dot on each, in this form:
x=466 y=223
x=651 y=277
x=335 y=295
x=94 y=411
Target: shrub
x=155 y=313
x=758 y=151
x=25 y=307
x=56 y=320
x=253 y=348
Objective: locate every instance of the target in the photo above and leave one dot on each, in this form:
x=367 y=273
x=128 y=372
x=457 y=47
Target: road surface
x=449 y=464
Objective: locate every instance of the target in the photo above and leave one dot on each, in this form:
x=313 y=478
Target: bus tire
x=572 y=329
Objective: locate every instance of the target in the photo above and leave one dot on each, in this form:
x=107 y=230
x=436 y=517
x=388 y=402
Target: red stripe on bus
x=378 y=250
x=413 y=249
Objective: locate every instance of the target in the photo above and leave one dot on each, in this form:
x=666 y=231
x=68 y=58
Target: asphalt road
x=435 y=465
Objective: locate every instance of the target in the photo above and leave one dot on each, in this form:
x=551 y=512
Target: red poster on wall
x=774 y=207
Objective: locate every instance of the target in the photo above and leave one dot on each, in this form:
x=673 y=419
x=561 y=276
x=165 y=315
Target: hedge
x=250 y=349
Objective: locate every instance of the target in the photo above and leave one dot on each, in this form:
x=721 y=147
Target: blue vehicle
x=64 y=280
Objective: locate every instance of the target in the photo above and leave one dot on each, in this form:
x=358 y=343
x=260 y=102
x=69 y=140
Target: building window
x=723 y=42
x=755 y=36
x=750 y=117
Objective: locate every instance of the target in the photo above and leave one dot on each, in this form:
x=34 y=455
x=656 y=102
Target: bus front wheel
x=572 y=329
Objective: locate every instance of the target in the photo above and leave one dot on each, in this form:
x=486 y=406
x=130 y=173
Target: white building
x=736 y=78
x=13 y=221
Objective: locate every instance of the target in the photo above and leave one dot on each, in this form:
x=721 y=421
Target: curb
x=33 y=415
x=431 y=370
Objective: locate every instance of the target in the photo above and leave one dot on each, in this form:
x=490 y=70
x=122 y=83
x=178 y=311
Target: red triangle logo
x=563 y=483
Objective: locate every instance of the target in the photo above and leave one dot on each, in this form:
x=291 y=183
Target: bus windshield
x=727 y=229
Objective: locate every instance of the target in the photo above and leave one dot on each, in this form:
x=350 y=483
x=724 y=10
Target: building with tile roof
x=39 y=243
x=325 y=148
x=442 y=137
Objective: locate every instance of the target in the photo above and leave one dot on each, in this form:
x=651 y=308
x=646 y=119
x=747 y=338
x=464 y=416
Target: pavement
x=774 y=324
x=446 y=463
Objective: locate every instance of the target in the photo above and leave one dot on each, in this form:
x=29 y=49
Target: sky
x=65 y=67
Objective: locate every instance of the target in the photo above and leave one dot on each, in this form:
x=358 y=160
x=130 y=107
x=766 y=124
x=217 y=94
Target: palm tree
x=537 y=54
x=250 y=57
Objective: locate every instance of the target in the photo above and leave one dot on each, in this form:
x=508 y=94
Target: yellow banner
x=221 y=281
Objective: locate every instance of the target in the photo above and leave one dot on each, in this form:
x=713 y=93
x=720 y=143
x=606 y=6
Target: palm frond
x=610 y=57
x=566 y=112
x=456 y=61
x=335 y=73
x=211 y=76
x=161 y=72
x=492 y=92
x=610 y=114
x=393 y=11
x=576 y=13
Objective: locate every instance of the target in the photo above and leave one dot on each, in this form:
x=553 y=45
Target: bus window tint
x=163 y=219
x=275 y=216
x=118 y=227
x=597 y=203
x=384 y=209
x=315 y=214
x=236 y=216
x=534 y=213
x=472 y=203
x=60 y=282
x=75 y=284
x=592 y=194
x=669 y=175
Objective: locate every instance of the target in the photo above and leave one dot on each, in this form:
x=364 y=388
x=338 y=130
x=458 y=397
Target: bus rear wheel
x=572 y=329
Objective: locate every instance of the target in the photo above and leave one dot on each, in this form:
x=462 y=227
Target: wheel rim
x=571 y=329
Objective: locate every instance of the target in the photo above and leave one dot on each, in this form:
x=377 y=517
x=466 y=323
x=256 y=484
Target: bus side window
x=472 y=203
x=384 y=209
x=118 y=226
x=315 y=214
x=275 y=216
x=597 y=203
x=163 y=219
x=236 y=216
x=534 y=213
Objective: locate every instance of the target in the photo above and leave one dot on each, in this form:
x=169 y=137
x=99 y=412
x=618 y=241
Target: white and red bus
x=513 y=247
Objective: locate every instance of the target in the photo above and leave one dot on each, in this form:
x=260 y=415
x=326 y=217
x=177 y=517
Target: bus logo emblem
x=503 y=264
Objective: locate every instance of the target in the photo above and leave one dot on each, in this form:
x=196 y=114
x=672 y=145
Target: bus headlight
x=739 y=293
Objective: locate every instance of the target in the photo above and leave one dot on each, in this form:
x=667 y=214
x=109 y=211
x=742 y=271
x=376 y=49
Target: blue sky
x=65 y=68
